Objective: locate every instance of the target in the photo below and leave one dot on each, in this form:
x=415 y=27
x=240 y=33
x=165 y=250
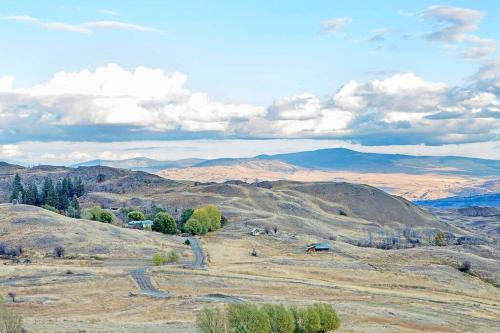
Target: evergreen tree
x=62 y=196
x=74 y=208
x=79 y=187
x=47 y=184
x=50 y=194
x=17 y=189
x=31 y=196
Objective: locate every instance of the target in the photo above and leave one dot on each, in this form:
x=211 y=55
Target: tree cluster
x=203 y=220
x=269 y=318
x=61 y=196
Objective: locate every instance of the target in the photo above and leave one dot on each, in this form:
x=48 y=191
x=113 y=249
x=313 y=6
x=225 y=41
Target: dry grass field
x=411 y=186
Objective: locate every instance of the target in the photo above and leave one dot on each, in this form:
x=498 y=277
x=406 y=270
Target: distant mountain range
x=142 y=164
x=337 y=159
x=485 y=200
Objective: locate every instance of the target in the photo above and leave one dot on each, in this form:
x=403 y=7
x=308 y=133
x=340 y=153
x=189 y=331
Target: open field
x=411 y=186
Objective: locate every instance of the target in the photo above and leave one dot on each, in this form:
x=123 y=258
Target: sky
x=93 y=79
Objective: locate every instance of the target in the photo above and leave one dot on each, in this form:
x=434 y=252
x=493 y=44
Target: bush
x=247 y=318
x=328 y=317
x=211 y=320
x=10 y=322
x=51 y=208
x=173 y=257
x=165 y=223
x=280 y=318
x=159 y=259
x=465 y=267
x=136 y=215
x=59 y=251
x=187 y=242
x=100 y=215
x=307 y=320
x=195 y=227
x=439 y=239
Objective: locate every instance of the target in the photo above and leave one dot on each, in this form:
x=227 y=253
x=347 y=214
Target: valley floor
x=412 y=290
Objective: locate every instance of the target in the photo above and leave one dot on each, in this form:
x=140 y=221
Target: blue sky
x=251 y=70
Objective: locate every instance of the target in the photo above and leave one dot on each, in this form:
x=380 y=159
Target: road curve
x=146 y=286
x=199 y=260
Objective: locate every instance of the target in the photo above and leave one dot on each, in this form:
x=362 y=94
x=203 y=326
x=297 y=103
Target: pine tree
x=51 y=198
x=31 y=197
x=80 y=188
x=17 y=189
x=47 y=184
x=62 y=196
x=74 y=208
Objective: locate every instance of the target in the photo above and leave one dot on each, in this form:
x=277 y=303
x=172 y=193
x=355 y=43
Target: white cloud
x=10 y=151
x=83 y=28
x=335 y=24
x=455 y=26
x=115 y=104
x=6 y=82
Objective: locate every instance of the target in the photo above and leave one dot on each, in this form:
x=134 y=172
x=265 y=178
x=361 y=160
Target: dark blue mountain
x=490 y=200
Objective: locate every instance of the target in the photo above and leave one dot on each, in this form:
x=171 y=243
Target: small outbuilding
x=318 y=247
x=139 y=224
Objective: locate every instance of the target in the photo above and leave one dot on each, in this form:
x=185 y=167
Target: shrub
x=328 y=317
x=280 y=318
x=439 y=239
x=10 y=322
x=306 y=319
x=100 y=215
x=165 y=223
x=136 y=215
x=173 y=257
x=195 y=227
x=247 y=318
x=275 y=229
x=101 y=177
x=465 y=267
x=187 y=242
x=51 y=208
x=223 y=221
x=59 y=251
x=159 y=259
x=211 y=320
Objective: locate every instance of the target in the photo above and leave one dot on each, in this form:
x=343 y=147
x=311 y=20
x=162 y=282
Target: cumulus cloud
x=335 y=24
x=83 y=28
x=456 y=26
x=115 y=104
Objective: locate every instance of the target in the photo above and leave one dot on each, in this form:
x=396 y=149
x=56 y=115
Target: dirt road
x=145 y=284
x=199 y=260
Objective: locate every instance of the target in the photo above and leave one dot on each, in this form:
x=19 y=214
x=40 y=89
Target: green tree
x=79 y=187
x=186 y=214
x=195 y=227
x=201 y=215
x=31 y=196
x=165 y=223
x=100 y=215
x=74 y=208
x=211 y=320
x=51 y=208
x=136 y=215
x=51 y=198
x=215 y=216
x=17 y=187
x=329 y=320
x=247 y=318
x=307 y=320
x=280 y=318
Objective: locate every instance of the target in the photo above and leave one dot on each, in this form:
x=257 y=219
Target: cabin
x=318 y=247
x=256 y=232
x=139 y=224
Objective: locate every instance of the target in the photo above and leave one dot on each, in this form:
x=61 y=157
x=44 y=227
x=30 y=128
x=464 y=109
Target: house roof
x=141 y=222
x=322 y=246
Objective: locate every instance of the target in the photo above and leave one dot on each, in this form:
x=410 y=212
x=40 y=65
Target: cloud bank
x=115 y=104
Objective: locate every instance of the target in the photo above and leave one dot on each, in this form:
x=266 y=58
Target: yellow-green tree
x=215 y=217
x=201 y=215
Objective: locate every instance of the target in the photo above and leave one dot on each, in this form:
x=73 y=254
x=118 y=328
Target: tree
x=215 y=216
x=329 y=320
x=247 y=318
x=201 y=215
x=136 y=215
x=17 y=188
x=186 y=214
x=212 y=320
x=59 y=251
x=100 y=178
x=306 y=319
x=49 y=194
x=31 y=196
x=439 y=239
x=74 y=208
x=280 y=318
x=79 y=187
x=165 y=223
x=100 y=215
x=195 y=227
